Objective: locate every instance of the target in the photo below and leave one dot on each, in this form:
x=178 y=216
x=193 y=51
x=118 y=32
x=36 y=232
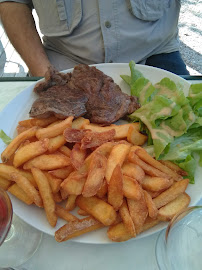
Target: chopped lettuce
x=5 y=138
x=189 y=165
x=172 y=121
x=185 y=145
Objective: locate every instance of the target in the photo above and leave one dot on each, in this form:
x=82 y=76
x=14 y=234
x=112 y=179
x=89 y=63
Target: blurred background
x=190 y=33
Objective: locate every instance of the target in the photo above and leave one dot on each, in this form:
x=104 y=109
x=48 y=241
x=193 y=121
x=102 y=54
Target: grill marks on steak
x=87 y=91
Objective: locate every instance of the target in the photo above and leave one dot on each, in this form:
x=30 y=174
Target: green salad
x=172 y=121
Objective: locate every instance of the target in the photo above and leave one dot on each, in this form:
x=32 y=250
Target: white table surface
x=134 y=254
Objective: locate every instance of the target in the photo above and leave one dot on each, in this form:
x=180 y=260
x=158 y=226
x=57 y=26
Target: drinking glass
x=179 y=247
x=18 y=240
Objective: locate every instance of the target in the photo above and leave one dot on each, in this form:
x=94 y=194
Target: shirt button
x=108 y=24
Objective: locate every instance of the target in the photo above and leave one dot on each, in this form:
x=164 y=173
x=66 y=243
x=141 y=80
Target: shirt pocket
x=58 y=17
x=149 y=10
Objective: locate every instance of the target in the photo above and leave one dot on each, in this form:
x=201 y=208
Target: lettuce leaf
x=5 y=138
x=172 y=121
x=188 y=165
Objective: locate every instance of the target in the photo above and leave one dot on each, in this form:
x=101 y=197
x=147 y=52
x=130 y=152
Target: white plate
x=18 y=109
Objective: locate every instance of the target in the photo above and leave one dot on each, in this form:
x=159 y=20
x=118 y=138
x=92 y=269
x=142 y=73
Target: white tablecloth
x=135 y=254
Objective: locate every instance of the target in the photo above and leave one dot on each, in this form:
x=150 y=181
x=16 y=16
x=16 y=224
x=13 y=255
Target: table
x=134 y=254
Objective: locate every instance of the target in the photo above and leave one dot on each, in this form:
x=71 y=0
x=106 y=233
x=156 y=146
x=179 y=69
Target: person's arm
x=19 y=25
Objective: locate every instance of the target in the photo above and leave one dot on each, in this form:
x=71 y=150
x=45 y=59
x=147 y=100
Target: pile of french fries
x=102 y=172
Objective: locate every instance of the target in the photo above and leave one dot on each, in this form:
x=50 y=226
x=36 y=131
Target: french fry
x=37 y=122
x=95 y=176
x=82 y=212
x=78 y=156
x=28 y=188
x=4 y=183
x=119 y=233
x=138 y=212
x=64 y=214
x=47 y=162
x=99 y=209
x=121 y=130
x=62 y=173
x=20 y=194
x=7 y=170
x=117 y=156
x=55 y=143
x=74 y=183
x=15 y=143
x=80 y=122
x=171 y=193
x=103 y=149
x=55 y=123
x=30 y=151
x=148 y=169
x=95 y=139
x=174 y=167
x=168 y=211
x=152 y=209
x=131 y=188
x=141 y=153
x=115 y=188
x=46 y=195
x=26 y=142
x=127 y=220
x=63 y=194
x=77 y=228
x=149 y=223
x=65 y=150
x=73 y=135
x=21 y=129
x=29 y=176
x=55 y=130
x=135 y=137
x=133 y=170
x=71 y=202
x=57 y=197
x=154 y=194
x=54 y=182
x=153 y=183
x=103 y=190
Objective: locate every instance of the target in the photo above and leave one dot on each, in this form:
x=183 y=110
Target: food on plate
x=98 y=208
x=20 y=194
x=4 y=183
x=76 y=228
x=27 y=187
x=86 y=91
x=177 y=205
x=75 y=167
x=30 y=151
x=46 y=195
x=171 y=120
x=15 y=143
x=171 y=193
x=115 y=188
x=101 y=180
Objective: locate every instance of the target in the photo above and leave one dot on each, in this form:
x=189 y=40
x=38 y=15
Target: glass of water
x=179 y=247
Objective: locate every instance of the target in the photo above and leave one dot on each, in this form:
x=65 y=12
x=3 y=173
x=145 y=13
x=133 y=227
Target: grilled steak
x=87 y=91
x=52 y=77
x=106 y=102
x=61 y=101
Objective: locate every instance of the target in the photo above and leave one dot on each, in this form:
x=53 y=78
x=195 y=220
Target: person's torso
x=95 y=31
